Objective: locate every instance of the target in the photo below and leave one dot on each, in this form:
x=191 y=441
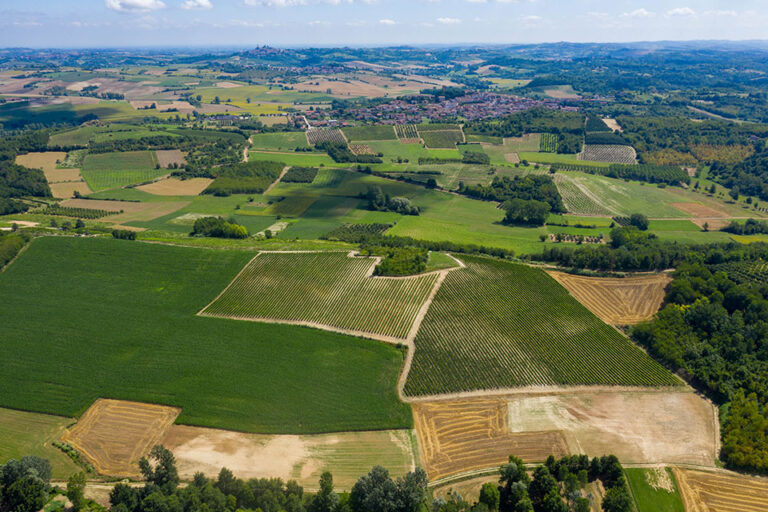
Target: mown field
x=111 y=170
x=128 y=331
x=654 y=490
x=503 y=325
x=326 y=288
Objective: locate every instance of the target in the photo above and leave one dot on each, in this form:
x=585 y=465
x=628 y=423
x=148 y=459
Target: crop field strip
x=114 y=434
x=326 y=290
x=619 y=301
x=496 y=325
x=461 y=436
x=703 y=491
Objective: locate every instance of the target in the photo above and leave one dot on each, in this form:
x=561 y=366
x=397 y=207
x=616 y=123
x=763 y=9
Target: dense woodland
x=529 y=187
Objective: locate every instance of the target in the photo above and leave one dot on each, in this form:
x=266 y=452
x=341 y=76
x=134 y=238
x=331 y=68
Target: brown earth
x=45 y=161
x=115 y=434
x=464 y=435
x=166 y=157
x=699 y=210
x=704 y=491
x=612 y=124
x=619 y=301
x=512 y=158
x=361 y=149
x=348 y=455
x=273 y=120
x=67 y=190
x=177 y=187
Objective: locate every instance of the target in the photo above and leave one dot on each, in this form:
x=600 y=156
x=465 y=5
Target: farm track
x=272 y=185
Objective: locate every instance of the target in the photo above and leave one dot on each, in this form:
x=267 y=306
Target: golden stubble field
x=721 y=491
x=617 y=301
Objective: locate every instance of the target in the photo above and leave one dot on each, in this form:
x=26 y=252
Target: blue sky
x=102 y=23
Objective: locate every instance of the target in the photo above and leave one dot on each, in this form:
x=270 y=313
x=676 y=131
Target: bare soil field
x=210 y=108
x=640 y=427
x=721 y=491
x=303 y=458
x=227 y=85
x=115 y=434
x=177 y=187
x=700 y=210
x=67 y=190
x=512 y=158
x=465 y=435
x=163 y=106
x=361 y=149
x=166 y=157
x=273 y=120
x=131 y=212
x=612 y=124
x=620 y=301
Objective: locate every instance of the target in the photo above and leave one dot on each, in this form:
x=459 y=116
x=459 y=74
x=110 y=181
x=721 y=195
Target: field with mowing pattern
x=620 y=301
x=502 y=325
x=325 y=290
x=133 y=334
x=704 y=491
x=111 y=170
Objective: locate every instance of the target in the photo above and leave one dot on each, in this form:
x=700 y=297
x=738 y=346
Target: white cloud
x=387 y=22
x=681 y=11
x=720 y=13
x=532 y=18
x=639 y=13
x=134 y=5
x=448 y=21
x=197 y=4
x=275 y=3
x=318 y=23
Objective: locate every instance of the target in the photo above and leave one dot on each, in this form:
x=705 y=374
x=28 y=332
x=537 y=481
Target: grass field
x=557 y=158
x=368 y=133
x=330 y=289
x=654 y=490
x=441 y=138
x=503 y=325
x=111 y=170
x=299 y=159
x=279 y=141
x=129 y=331
x=26 y=433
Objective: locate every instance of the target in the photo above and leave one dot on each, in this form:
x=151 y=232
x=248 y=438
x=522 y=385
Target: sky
x=248 y=23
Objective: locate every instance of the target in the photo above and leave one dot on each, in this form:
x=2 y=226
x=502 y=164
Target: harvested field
x=617 y=301
x=46 y=161
x=130 y=211
x=699 y=210
x=177 y=187
x=460 y=436
x=115 y=434
x=290 y=457
x=67 y=190
x=325 y=290
x=639 y=427
x=361 y=149
x=512 y=158
x=166 y=157
x=613 y=124
x=721 y=491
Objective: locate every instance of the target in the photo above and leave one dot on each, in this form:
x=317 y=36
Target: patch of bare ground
x=617 y=301
x=721 y=491
x=612 y=124
x=699 y=210
x=469 y=489
x=177 y=187
x=63 y=182
x=115 y=434
x=512 y=158
x=46 y=161
x=303 y=458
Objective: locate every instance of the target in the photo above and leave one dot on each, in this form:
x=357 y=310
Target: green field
x=299 y=159
x=327 y=288
x=557 y=158
x=650 y=498
x=502 y=325
x=128 y=330
x=112 y=170
x=367 y=133
x=279 y=141
x=26 y=433
x=441 y=138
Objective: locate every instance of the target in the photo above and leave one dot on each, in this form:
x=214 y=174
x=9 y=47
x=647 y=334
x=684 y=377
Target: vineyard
x=320 y=135
x=500 y=325
x=595 y=124
x=608 y=153
x=548 y=143
x=361 y=149
x=80 y=213
x=578 y=200
x=407 y=133
x=437 y=127
x=744 y=271
x=324 y=290
x=366 y=133
x=442 y=138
